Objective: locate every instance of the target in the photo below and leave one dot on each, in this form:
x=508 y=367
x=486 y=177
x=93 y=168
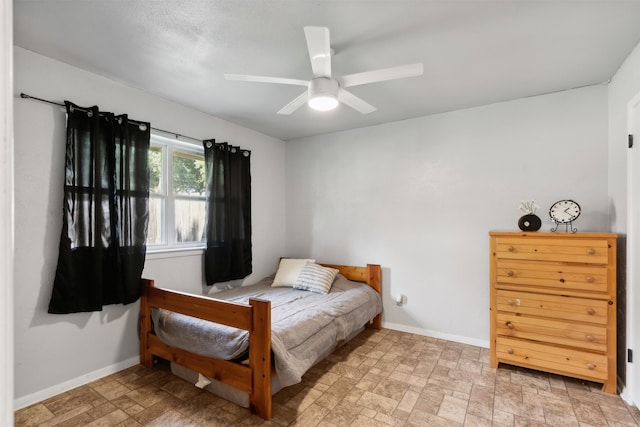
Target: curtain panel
x=228 y=253
x=105 y=212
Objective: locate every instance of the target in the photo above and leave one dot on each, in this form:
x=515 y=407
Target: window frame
x=169 y=236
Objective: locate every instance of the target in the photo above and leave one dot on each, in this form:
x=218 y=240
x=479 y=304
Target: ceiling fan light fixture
x=323 y=102
x=323 y=94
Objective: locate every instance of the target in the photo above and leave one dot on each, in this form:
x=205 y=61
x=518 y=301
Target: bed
x=254 y=373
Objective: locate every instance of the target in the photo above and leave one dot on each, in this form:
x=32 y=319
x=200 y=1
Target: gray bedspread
x=304 y=325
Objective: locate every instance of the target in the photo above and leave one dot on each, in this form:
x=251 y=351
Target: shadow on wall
x=621 y=319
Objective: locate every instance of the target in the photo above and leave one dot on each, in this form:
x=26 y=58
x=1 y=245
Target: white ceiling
x=474 y=52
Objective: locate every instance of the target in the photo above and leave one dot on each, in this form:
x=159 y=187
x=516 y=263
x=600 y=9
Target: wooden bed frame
x=255 y=317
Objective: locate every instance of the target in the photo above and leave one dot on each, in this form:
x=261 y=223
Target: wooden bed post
x=146 y=358
x=260 y=358
x=374 y=279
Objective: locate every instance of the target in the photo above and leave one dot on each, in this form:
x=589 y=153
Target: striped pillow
x=315 y=278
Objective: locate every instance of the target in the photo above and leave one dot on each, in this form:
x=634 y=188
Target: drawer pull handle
x=591 y=251
x=590 y=338
x=509 y=325
x=511 y=249
x=591 y=279
x=510 y=350
x=510 y=302
x=510 y=273
x=591 y=311
x=591 y=366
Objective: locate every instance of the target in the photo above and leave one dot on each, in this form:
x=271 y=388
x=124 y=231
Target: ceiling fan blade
x=266 y=79
x=319 y=47
x=354 y=102
x=374 y=76
x=295 y=104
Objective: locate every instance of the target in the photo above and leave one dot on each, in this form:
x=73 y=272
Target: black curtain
x=105 y=213
x=228 y=253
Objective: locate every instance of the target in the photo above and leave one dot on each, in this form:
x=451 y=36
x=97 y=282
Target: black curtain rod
x=177 y=135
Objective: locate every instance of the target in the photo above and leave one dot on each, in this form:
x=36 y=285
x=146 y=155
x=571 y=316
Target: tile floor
x=381 y=378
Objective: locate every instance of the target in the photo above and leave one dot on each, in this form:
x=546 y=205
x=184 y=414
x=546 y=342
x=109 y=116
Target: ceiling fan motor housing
x=323 y=86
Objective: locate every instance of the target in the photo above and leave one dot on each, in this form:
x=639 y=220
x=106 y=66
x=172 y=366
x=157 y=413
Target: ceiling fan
x=324 y=91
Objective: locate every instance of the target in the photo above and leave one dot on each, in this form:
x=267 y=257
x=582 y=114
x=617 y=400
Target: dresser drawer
x=552 y=306
x=584 y=336
x=579 y=277
x=552 y=358
x=590 y=251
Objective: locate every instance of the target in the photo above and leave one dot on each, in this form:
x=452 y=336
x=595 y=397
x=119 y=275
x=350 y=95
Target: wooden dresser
x=553 y=303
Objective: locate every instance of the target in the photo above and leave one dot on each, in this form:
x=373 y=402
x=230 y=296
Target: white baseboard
x=436 y=334
x=30 y=399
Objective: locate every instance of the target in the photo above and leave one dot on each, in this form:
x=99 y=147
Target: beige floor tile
x=503 y=418
x=110 y=419
x=391 y=388
x=33 y=415
x=481 y=410
x=561 y=417
x=427 y=405
x=342 y=415
x=522 y=409
x=617 y=416
x=378 y=403
x=362 y=421
x=112 y=389
x=328 y=401
x=453 y=409
x=475 y=421
x=408 y=401
x=521 y=421
x=408 y=378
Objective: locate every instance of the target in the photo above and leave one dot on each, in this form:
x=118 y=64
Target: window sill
x=174 y=252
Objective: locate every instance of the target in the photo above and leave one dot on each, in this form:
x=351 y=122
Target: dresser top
x=556 y=234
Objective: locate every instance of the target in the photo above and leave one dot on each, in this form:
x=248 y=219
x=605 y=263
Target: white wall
x=420 y=196
x=6 y=215
x=624 y=172
x=54 y=352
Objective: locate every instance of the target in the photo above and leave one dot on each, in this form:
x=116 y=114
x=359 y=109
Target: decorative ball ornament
x=529 y=221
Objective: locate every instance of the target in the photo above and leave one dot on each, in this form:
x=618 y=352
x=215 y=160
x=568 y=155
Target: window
x=177 y=195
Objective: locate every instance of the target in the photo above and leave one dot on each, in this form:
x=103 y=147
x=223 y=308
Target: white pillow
x=288 y=271
x=316 y=278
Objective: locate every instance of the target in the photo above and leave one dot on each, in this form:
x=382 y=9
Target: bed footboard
x=254 y=317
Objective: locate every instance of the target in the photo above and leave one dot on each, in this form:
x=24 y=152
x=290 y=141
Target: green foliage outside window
x=188 y=174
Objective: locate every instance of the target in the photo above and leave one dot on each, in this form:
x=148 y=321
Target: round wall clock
x=564 y=212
